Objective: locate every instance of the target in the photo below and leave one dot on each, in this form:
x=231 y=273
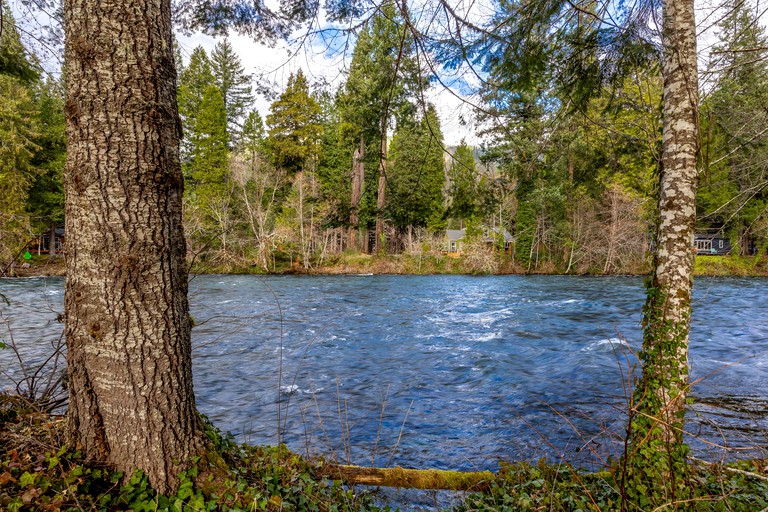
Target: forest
x=362 y=167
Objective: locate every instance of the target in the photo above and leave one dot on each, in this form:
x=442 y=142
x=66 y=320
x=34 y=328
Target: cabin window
x=703 y=245
x=453 y=246
x=720 y=243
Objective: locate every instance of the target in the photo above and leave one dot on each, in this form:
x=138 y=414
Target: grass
x=731 y=266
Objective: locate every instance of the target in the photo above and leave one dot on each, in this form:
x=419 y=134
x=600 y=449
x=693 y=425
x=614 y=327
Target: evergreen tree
x=194 y=80
x=417 y=174
x=129 y=365
x=209 y=209
x=46 y=196
x=333 y=170
x=15 y=61
x=18 y=132
x=384 y=78
x=253 y=136
x=294 y=128
x=209 y=156
x=235 y=87
x=463 y=184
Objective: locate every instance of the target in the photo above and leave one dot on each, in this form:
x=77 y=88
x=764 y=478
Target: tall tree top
x=294 y=125
x=234 y=84
x=15 y=61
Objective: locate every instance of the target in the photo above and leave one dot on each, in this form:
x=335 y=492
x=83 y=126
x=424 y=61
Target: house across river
x=714 y=244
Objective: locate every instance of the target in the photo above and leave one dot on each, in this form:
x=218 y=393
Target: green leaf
x=27 y=479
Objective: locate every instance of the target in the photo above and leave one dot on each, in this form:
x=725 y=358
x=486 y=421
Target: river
x=452 y=372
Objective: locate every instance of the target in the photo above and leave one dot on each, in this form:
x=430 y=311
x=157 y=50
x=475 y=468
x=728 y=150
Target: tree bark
x=657 y=453
x=127 y=316
x=381 y=196
x=358 y=178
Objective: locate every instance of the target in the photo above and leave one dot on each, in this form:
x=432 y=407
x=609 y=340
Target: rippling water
x=445 y=371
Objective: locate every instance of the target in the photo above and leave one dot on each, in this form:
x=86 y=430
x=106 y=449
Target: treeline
x=365 y=168
x=360 y=169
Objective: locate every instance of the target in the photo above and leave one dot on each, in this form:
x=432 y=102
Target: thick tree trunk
x=657 y=453
x=358 y=178
x=381 y=197
x=127 y=322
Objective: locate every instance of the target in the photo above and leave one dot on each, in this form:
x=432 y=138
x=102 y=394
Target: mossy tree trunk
x=655 y=461
x=127 y=320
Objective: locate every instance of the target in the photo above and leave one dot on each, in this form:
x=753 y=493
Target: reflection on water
x=445 y=371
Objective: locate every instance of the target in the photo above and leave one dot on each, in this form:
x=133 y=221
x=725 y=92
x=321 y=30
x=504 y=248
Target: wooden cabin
x=711 y=244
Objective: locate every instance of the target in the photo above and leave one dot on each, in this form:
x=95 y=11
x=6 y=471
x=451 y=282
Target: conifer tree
x=235 y=87
x=15 y=61
x=417 y=174
x=209 y=153
x=253 y=137
x=194 y=80
x=293 y=125
x=384 y=78
x=463 y=192
x=46 y=196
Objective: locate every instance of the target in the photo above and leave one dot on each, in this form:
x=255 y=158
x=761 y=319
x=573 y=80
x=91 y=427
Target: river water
x=452 y=372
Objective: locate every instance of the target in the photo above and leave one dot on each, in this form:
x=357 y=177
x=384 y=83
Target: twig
x=400 y=435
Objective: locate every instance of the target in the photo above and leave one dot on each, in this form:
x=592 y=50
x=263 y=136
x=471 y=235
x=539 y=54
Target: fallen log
x=436 y=479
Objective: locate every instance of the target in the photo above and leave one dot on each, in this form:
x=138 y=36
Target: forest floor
x=402 y=264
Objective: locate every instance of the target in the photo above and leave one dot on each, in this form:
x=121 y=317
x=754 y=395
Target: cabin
x=455 y=240
x=711 y=244
x=52 y=239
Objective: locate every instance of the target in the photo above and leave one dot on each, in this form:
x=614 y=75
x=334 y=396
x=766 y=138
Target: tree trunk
x=358 y=178
x=127 y=317
x=656 y=456
x=381 y=197
x=52 y=241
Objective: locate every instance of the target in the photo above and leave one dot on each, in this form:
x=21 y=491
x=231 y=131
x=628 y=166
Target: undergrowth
x=737 y=487
x=38 y=472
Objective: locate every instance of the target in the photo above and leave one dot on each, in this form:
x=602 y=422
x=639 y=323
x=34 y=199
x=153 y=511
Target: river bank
x=403 y=264
x=39 y=472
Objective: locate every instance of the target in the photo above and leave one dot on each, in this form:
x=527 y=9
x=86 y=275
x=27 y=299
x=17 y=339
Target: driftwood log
x=411 y=478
